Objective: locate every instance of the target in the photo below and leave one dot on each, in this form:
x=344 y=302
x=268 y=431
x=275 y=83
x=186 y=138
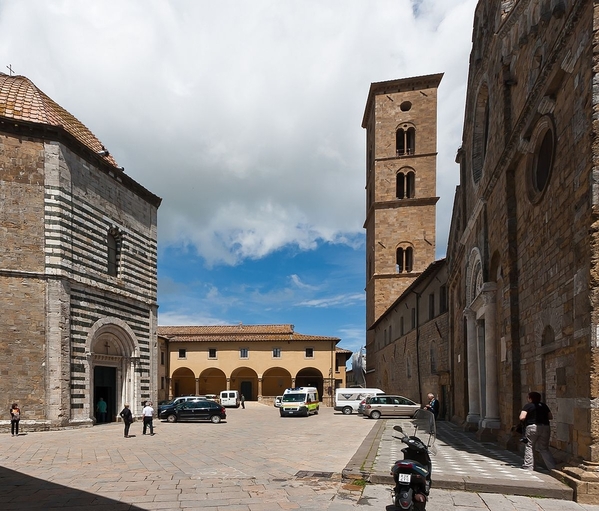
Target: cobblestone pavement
x=255 y=461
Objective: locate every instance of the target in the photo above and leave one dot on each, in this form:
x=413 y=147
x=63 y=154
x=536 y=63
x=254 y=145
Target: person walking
x=433 y=405
x=242 y=401
x=15 y=417
x=148 y=413
x=536 y=416
x=127 y=417
x=101 y=408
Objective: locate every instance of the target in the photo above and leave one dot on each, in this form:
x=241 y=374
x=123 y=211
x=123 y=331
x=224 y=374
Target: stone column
x=491 y=420
x=135 y=385
x=169 y=386
x=197 y=387
x=228 y=383
x=473 y=417
x=259 y=388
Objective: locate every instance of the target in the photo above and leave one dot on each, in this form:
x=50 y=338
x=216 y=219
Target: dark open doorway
x=105 y=387
x=246 y=390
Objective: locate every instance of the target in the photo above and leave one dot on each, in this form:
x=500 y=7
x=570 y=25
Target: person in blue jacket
x=433 y=405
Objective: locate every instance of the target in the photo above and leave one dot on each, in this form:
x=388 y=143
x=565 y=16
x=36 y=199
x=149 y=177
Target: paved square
x=250 y=462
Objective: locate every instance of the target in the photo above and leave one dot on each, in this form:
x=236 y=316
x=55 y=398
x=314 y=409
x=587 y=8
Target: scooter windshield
x=421 y=425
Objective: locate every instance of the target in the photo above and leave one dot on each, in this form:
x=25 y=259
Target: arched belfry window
x=405 y=184
x=405 y=140
x=113 y=242
x=404 y=259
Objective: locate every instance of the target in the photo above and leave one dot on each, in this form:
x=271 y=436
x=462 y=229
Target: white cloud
x=301 y=285
x=244 y=116
x=342 y=300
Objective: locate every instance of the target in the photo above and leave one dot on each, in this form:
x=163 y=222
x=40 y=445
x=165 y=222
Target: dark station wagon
x=194 y=411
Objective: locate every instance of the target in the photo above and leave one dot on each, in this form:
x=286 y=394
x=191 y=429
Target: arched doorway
x=212 y=381
x=112 y=352
x=245 y=380
x=183 y=382
x=310 y=377
x=274 y=381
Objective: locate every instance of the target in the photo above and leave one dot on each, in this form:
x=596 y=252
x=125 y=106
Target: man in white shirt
x=148 y=413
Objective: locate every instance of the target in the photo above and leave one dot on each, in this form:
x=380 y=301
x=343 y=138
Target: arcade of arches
x=244 y=379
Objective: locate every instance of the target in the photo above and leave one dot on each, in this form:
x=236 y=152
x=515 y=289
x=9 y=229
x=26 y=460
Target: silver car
x=386 y=405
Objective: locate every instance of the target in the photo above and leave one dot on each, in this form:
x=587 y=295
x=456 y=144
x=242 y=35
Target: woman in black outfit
x=15 y=417
x=127 y=417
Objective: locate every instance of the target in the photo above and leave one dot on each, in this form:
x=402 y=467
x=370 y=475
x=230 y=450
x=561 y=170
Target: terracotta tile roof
x=342 y=350
x=245 y=333
x=21 y=100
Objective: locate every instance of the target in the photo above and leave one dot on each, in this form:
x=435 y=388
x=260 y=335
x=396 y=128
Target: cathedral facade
x=523 y=251
x=522 y=261
x=78 y=261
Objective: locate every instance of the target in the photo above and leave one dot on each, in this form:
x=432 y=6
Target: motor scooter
x=412 y=475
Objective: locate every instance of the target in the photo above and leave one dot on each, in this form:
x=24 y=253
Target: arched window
x=409 y=255
x=548 y=336
x=405 y=141
x=404 y=259
x=405 y=183
x=411 y=140
x=399 y=260
x=113 y=245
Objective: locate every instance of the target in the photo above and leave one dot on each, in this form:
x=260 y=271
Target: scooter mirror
x=398 y=428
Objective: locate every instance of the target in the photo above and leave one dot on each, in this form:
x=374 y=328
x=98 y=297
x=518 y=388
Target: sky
x=245 y=118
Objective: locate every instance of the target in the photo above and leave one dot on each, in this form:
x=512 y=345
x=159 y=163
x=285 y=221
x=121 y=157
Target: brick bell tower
x=401 y=154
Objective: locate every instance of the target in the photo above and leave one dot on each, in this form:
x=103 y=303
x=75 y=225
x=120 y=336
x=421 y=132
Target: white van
x=348 y=400
x=299 y=401
x=229 y=398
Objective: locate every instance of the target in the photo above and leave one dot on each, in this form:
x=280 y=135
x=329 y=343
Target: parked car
x=213 y=397
x=386 y=405
x=278 y=400
x=347 y=399
x=193 y=411
x=181 y=399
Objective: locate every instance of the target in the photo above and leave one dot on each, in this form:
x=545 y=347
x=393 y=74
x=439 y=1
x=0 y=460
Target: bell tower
x=401 y=154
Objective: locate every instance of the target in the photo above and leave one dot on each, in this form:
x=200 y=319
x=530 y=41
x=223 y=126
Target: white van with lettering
x=348 y=400
x=229 y=398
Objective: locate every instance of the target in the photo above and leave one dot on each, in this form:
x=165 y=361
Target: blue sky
x=245 y=117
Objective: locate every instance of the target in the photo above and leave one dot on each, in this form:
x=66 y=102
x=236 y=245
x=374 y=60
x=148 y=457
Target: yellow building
x=260 y=361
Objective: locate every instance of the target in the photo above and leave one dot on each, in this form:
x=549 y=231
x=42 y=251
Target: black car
x=194 y=411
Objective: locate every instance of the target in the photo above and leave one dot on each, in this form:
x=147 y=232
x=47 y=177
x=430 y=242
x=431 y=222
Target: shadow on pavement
x=465 y=441
x=20 y=491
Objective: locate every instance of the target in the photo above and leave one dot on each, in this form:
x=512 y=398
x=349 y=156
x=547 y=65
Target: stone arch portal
x=212 y=381
x=310 y=377
x=274 y=381
x=112 y=354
